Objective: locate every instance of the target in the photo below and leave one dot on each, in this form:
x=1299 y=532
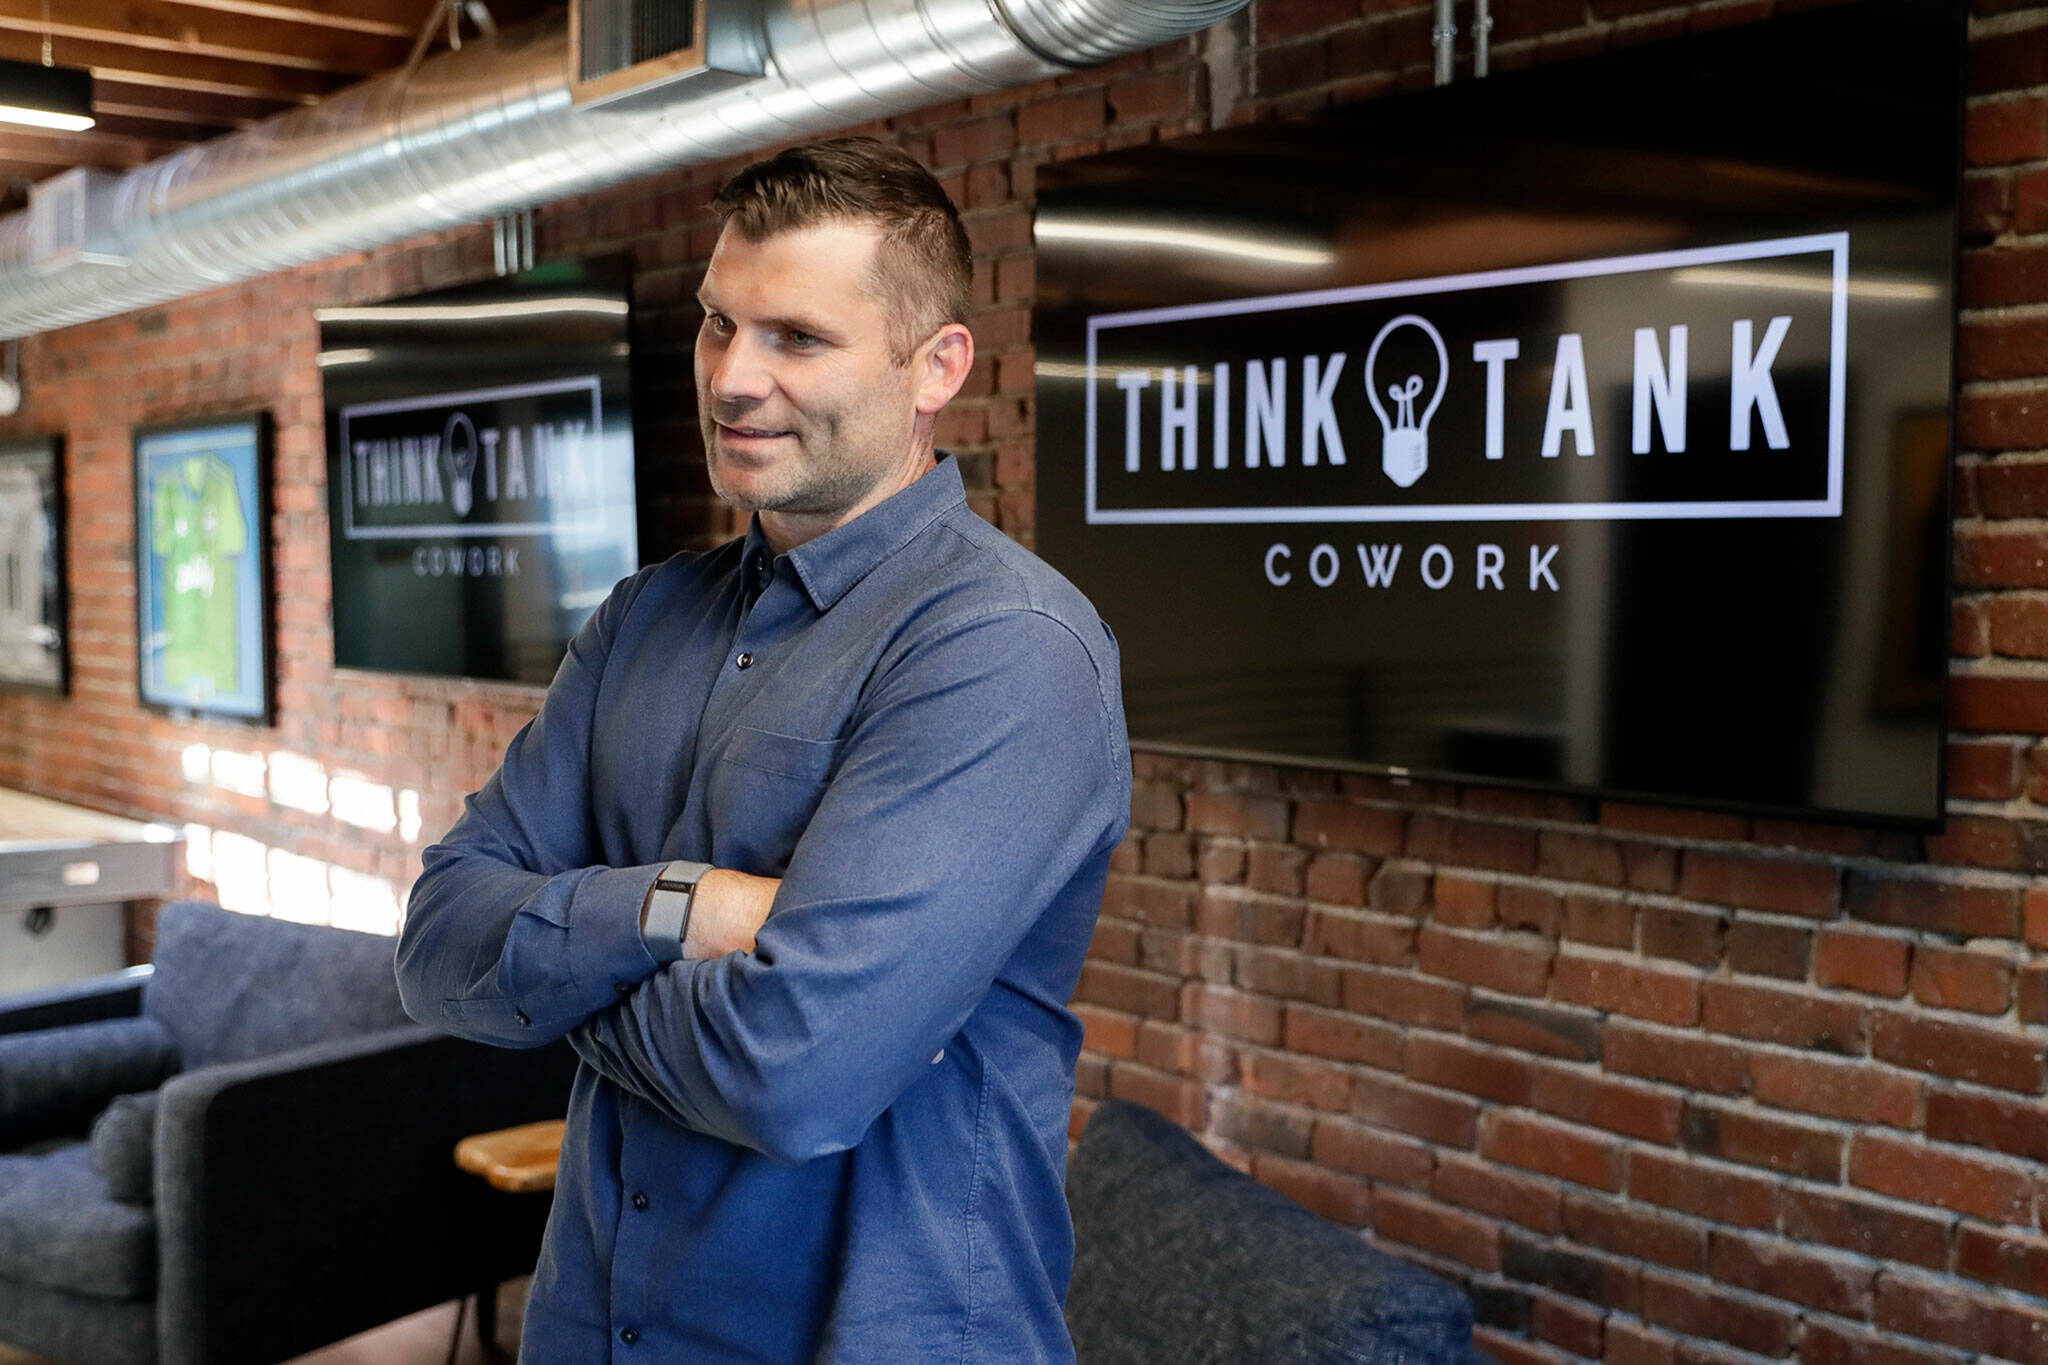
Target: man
x=885 y=746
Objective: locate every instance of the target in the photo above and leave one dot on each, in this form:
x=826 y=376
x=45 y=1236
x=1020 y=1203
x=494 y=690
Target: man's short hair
x=923 y=272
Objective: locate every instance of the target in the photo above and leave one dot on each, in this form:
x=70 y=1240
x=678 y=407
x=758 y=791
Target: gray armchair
x=1181 y=1260
x=245 y=1151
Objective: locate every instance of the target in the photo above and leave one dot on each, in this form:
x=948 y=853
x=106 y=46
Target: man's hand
x=728 y=909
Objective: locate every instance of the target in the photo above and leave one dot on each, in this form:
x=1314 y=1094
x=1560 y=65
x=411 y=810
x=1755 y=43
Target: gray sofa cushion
x=124 y=1147
x=230 y=987
x=1181 y=1260
x=54 y=1080
x=60 y=1229
x=66 y=1326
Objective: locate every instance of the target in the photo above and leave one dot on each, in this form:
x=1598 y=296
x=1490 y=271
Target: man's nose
x=740 y=373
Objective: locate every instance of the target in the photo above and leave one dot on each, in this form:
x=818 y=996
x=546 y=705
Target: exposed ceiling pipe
x=490 y=129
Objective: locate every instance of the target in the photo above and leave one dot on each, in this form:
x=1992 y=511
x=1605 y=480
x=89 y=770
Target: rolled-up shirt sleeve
x=983 y=774
x=514 y=933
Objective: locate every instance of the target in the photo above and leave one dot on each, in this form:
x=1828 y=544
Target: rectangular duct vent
x=633 y=53
x=71 y=220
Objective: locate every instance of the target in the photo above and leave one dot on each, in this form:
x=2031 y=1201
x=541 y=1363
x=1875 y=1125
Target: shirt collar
x=830 y=565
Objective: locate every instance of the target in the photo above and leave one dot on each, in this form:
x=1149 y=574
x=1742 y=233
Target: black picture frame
x=35 y=639
x=204 y=643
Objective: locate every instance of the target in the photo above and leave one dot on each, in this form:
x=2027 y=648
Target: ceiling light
x=45 y=96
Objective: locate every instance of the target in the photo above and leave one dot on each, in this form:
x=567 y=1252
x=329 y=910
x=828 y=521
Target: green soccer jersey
x=200 y=534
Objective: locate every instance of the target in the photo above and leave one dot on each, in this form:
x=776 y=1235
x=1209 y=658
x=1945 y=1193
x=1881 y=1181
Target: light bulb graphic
x=1404 y=450
x=458 y=447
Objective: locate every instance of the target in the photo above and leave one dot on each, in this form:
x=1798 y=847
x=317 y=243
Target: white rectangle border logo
x=588 y=384
x=1836 y=243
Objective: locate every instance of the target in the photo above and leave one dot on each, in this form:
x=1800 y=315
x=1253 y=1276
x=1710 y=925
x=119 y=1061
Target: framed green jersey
x=202 y=567
x=33 y=655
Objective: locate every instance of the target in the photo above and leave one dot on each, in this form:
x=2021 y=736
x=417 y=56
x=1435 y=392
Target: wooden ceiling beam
x=197 y=107
x=37 y=164
x=172 y=73
x=93 y=148
x=386 y=18
x=165 y=26
x=178 y=71
x=149 y=125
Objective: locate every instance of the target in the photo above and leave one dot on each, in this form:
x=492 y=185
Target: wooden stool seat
x=518 y=1160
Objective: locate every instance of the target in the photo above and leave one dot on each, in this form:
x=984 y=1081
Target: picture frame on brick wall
x=35 y=646
x=202 y=568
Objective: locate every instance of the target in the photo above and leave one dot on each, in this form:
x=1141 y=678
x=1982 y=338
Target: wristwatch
x=668 y=909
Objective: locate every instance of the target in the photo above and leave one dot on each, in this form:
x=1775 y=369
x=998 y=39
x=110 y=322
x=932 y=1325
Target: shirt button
x=745 y=661
x=520 y=1015
x=624 y=988
x=639 y=1201
x=628 y=1335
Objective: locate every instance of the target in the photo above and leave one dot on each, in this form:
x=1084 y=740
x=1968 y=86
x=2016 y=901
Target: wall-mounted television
x=1585 y=427
x=480 y=476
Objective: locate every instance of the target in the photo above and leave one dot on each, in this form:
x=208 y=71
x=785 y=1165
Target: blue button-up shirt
x=848 y=1144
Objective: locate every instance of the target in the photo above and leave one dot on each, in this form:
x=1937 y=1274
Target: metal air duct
x=479 y=132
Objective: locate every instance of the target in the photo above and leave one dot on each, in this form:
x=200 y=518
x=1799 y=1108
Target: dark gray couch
x=290 y=1182
x=1179 y=1259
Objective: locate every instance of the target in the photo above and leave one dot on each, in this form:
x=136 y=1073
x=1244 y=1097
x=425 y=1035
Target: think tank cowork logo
x=1683 y=384
x=524 y=459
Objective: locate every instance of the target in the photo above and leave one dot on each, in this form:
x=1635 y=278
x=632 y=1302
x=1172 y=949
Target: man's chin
x=742 y=479
x=744 y=495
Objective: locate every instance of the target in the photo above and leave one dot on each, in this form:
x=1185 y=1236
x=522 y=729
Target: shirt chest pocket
x=762 y=795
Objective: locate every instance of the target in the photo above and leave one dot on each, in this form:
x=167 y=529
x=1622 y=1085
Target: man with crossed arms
x=804 y=850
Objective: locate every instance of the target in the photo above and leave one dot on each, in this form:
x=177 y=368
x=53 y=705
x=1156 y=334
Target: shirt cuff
x=606 y=953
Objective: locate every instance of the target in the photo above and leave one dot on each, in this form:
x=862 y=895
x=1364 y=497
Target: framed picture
x=34 y=650
x=202 y=567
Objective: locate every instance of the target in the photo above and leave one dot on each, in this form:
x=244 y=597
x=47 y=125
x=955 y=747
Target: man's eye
x=801 y=339
x=717 y=322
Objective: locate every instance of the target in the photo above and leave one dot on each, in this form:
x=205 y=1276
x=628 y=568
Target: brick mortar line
x=2018 y=670
x=1888 y=1337
x=2002 y=25
x=1846 y=861
x=1978 y=459
x=2023 y=386
x=1865 y=1061
x=1978 y=99
x=2007 y=1022
x=2017 y=808
x=1995 y=312
x=1682 y=842
x=1981 y=524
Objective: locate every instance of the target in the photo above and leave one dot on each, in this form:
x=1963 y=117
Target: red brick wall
x=1662 y=1086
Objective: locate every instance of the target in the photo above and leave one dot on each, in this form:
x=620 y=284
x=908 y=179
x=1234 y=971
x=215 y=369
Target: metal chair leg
x=487 y=1322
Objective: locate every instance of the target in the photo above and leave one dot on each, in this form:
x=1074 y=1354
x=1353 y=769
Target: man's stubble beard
x=823 y=484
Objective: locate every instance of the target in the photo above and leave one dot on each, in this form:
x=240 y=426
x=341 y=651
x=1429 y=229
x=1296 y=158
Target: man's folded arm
x=986 y=771
x=512 y=933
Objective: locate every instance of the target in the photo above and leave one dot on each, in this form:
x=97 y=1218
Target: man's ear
x=943 y=363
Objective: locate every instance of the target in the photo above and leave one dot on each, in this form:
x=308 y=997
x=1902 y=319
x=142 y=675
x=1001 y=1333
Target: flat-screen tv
x=480 y=477
x=1584 y=427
